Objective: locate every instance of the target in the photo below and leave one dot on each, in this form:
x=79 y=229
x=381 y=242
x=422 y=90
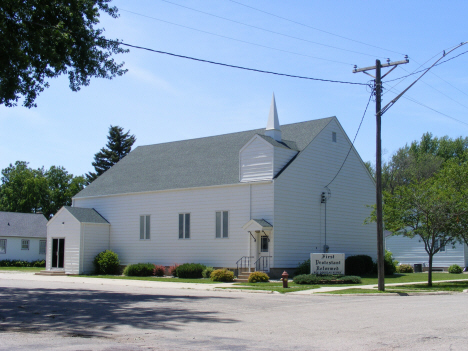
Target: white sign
x=327 y=263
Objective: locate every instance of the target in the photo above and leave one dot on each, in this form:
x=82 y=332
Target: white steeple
x=273 y=127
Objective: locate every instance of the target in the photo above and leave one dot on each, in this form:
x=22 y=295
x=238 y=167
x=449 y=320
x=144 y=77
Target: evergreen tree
x=118 y=146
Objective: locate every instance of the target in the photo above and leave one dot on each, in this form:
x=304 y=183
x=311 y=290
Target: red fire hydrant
x=284 y=278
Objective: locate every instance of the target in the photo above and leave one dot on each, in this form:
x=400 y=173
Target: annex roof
x=27 y=225
x=192 y=163
x=86 y=215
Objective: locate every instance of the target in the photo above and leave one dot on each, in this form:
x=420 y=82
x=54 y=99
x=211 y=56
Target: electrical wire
x=352 y=144
x=407 y=97
x=234 y=66
x=234 y=39
x=208 y=61
x=315 y=28
x=422 y=70
x=263 y=29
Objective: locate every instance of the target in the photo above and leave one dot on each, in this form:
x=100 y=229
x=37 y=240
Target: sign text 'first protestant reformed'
x=327 y=263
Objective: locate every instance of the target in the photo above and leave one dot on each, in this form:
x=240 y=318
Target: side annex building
x=252 y=197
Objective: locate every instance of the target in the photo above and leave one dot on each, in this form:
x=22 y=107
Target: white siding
x=164 y=247
x=256 y=161
x=299 y=215
x=282 y=157
x=14 y=252
x=411 y=251
x=64 y=225
x=95 y=239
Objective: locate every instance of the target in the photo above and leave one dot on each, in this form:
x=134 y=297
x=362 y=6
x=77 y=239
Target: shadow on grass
x=92 y=313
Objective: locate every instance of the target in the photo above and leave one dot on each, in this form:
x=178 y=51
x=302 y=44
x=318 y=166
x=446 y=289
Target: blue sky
x=163 y=98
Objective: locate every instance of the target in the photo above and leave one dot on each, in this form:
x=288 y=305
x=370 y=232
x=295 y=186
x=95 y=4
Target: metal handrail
x=261 y=267
x=243 y=260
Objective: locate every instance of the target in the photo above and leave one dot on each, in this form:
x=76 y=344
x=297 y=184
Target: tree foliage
x=42 y=39
x=435 y=209
x=119 y=144
x=421 y=160
x=28 y=190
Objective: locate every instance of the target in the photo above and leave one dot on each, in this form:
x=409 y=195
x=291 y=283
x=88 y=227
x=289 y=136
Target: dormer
x=264 y=156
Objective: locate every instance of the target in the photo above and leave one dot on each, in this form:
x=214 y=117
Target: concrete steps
x=243 y=276
x=51 y=273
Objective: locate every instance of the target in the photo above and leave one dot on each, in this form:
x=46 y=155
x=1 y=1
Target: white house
x=22 y=236
x=411 y=251
x=247 y=198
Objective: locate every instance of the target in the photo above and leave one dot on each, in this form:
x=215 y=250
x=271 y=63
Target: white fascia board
x=178 y=189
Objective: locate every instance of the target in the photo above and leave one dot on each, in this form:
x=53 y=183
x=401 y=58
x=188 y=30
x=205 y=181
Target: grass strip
x=22 y=269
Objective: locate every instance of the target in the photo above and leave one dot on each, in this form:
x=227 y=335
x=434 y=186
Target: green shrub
x=159 y=271
x=139 y=270
x=190 y=270
x=107 y=262
x=20 y=263
x=207 y=272
x=455 y=268
x=404 y=268
x=258 y=277
x=312 y=279
x=359 y=265
x=389 y=263
x=222 y=275
x=303 y=268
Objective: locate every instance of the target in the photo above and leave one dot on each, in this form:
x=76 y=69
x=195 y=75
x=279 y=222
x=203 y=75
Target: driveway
x=74 y=313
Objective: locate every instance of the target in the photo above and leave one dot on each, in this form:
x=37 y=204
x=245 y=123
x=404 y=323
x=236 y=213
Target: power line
x=315 y=28
x=208 y=61
x=428 y=107
x=352 y=144
x=234 y=66
x=422 y=70
x=234 y=39
x=263 y=29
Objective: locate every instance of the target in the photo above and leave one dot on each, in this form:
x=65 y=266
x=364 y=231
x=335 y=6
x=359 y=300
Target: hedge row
x=311 y=279
x=19 y=263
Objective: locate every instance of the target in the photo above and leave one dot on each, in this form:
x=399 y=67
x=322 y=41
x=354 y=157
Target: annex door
x=264 y=257
x=58 y=251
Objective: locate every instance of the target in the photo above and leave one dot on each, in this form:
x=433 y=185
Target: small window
x=24 y=244
x=264 y=244
x=42 y=247
x=222 y=224
x=437 y=245
x=145 y=227
x=334 y=137
x=3 y=246
x=184 y=225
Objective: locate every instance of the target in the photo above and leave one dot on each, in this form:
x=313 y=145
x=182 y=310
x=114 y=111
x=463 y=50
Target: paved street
x=74 y=313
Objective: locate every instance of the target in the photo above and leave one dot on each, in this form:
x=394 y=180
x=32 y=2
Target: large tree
x=42 y=39
x=28 y=190
x=119 y=144
x=421 y=160
x=22 y=189
x=435 y=209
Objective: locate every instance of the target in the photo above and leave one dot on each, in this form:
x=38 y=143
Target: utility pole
x=378 y=159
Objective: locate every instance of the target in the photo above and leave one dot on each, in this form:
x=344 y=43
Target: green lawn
x=413 y=277
x=22 y=269
x=409 y=288
x=156 y=279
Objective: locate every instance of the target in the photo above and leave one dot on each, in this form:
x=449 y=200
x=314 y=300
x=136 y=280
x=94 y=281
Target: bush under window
x=190 y=270
x=107 y=262
x=222 y=275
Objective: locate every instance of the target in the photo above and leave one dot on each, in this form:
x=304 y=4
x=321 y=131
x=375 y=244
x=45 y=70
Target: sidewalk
x=112 y=282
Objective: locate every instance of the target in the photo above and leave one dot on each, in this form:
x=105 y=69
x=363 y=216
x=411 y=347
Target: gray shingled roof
x=191 y=163
x=263 y=223
x=86 y=215
x=27 y=225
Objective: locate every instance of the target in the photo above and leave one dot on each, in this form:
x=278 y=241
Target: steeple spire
x=273 y=127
